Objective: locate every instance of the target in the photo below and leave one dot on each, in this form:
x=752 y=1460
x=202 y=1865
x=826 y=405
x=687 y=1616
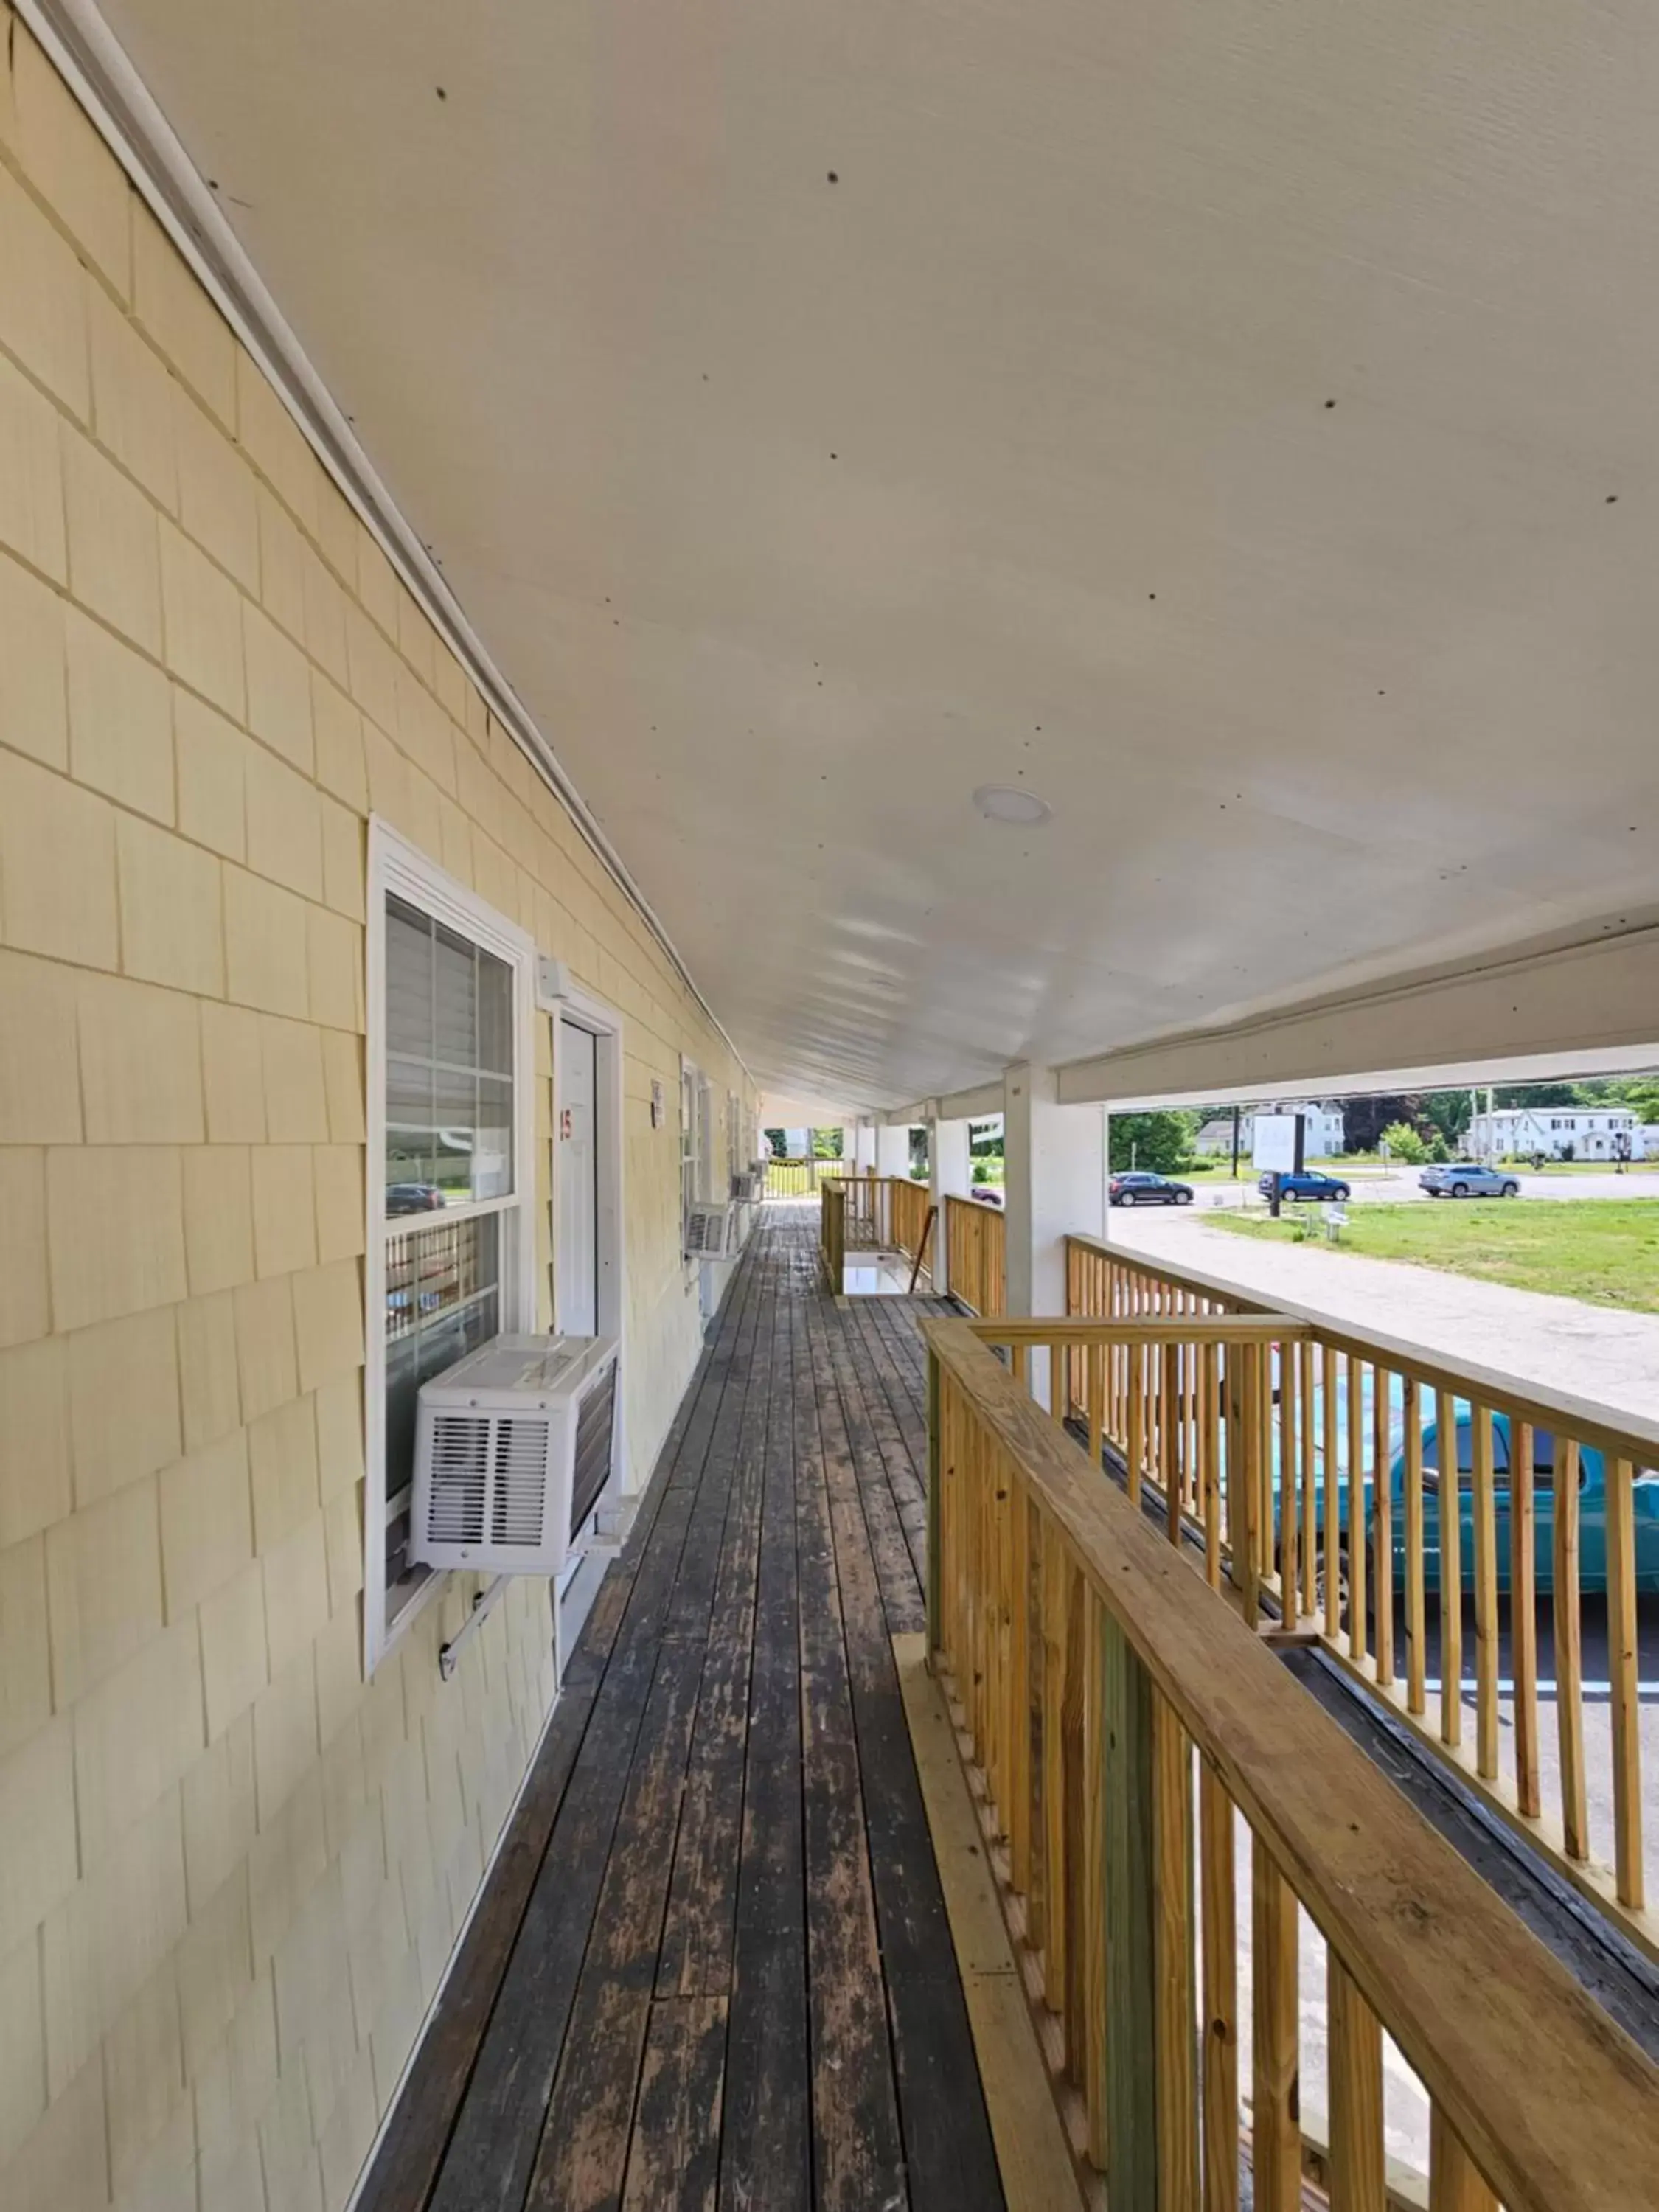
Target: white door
x=577 y=1223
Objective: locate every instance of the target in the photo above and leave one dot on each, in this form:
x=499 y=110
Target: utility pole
x=1235 y=1141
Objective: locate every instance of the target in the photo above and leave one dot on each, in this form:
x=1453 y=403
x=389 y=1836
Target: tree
x=826 y=1144
x=1405 y=1143
x=1161 y=1141
x=775 y=1140
x=1366 y=1120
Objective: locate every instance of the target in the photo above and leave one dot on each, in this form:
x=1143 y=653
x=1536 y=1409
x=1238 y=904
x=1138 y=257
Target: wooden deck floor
x=712 y=1968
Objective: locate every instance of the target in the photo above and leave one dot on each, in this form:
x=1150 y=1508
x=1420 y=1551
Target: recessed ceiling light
x=1004 y=802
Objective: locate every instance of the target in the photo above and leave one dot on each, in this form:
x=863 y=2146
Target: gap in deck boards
x=712 y=1966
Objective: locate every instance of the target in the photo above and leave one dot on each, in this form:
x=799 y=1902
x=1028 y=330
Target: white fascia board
x=1578 y=1010
x=977 y=1105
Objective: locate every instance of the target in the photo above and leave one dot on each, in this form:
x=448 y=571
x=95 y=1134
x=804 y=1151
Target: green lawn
x=1604 y=1251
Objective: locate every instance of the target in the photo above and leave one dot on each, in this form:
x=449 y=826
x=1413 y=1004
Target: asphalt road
x=1399 y=1186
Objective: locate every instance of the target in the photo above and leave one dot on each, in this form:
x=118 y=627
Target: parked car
x=1306 y=1182
x=987 y=1193
x=1139 y=1187
x=1466 y=1179
x=413 y=1198
x=1592 y=1496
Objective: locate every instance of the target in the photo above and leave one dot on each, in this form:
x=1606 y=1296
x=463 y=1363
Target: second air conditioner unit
x=513 y=1451
x=710 y=1225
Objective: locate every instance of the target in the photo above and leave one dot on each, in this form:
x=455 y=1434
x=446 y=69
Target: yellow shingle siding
x=231 y=1872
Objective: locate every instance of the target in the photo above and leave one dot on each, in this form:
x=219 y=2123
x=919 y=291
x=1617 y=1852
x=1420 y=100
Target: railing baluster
x=1086 y=2020
x=1291 y=1418
x=1486 y=1592
x=1210 y=1462
x=1382 y=1520
x=1097 y=1389
x=1329 y=1534
x=1355 y=1506
x=1137 y=1436
x=1017 y=1725
x=1523 y=1615
x=1619 y=1476
x=1055 y=1594
x=1569 y=1663
x=1310 y=1491
x=1416 y=1626
x=1275 y=2128
x=1448 y=1518
x=1173 y=1946
x=1130 y=2012
x=1220 y=2040
x=1169 y=1455
x=1036 y=1768
x=1455 y=2183
x=1358 y=2180
x=1246 y=1539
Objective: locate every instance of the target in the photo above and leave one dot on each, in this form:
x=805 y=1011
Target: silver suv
x=1464 y=1179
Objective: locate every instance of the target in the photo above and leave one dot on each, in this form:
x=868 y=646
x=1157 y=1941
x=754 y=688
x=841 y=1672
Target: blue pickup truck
x=1592 y=1494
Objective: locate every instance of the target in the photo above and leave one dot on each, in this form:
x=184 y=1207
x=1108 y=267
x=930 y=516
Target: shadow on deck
x=712 y=1965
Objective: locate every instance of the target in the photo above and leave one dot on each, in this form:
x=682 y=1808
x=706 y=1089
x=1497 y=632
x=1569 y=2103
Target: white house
x=1325 y=1132
x=1559 y=1133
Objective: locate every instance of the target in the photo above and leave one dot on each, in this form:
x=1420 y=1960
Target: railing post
x=1125 y=1707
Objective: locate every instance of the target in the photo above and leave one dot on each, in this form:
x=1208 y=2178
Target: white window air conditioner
x=748 y=1185
x=710 y=1227
x=514 y=1450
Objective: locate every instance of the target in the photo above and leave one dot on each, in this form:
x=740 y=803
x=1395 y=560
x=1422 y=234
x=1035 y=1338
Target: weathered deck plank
x=713 y=1967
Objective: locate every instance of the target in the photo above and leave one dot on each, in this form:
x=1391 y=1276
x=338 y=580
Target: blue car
x=1306 y=1182
x=1592 y=1495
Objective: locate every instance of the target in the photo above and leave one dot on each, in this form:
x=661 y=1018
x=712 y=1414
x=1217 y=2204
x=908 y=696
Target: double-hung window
x=451 y=1245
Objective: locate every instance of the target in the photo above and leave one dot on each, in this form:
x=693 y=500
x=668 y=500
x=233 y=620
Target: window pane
x=457 y=1001
x=492 y=1162
x=457 y=1099
x=494 y=1015
x=410 y=1135
x=408 y=981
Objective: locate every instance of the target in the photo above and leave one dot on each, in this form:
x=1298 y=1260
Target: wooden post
x=1449 y=1502
x=1355 y=1494
x=1456 y=2183
x=1221 y=1994
x=1173 y=1947
x=1416 y=1623
x=1486 y=1592
x=1382 y=1520
x=1523 y=1615
x=1132 y=2131
x=1276 y=2130
x=1358 y=2182
x=1569 y=1661
x=1622 y=1679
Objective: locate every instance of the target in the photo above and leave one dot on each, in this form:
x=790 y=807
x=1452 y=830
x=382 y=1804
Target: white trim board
x=95 y=67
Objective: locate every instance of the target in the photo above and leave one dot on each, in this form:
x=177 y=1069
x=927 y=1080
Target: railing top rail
x=1556 y=2105
x=1163 y=1328
x=1620 y=1435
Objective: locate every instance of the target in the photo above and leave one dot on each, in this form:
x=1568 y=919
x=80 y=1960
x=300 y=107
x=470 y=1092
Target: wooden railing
x=1089 y=1665
x=801 y=1178
x=1337 y=1528
x=977 y=1246
x=888 y=1213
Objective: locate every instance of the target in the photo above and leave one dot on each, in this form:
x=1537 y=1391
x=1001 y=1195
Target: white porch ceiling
x=1238 y=424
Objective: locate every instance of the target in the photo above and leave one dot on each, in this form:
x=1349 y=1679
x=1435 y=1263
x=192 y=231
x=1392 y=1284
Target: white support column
x=950 y=1175
x=849 y=1143
x=864 y=1153
x=893 y=1150
x=1054 y=1186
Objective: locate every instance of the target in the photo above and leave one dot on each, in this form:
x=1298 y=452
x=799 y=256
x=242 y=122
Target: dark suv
x=1137 y=1188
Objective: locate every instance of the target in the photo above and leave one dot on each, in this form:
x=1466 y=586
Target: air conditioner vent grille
x=460 y=1474
x=520 y=1488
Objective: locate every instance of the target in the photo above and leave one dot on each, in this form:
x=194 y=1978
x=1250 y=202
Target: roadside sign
x=1273 y=1143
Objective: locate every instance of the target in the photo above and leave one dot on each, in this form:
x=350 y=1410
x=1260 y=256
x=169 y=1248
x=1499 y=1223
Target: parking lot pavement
x=1591 y=1351
x=1399 y=1187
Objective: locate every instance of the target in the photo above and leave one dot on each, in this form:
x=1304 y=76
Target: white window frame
x=399 y=869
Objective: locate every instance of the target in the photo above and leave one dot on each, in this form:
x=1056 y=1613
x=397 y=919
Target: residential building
x=1557 y=1133
x=1324 y=1137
